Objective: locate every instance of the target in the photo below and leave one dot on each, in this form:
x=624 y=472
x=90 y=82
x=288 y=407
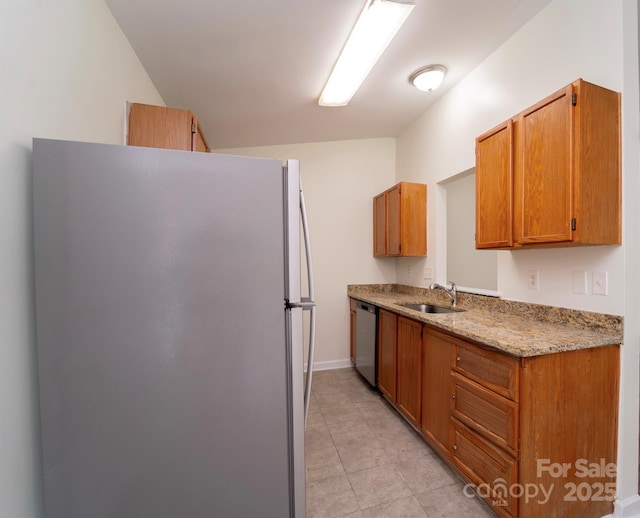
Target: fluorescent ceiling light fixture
x=377 y=25
x=428 y=78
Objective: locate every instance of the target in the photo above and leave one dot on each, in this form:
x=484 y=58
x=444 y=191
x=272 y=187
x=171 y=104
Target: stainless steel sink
x=429 y=308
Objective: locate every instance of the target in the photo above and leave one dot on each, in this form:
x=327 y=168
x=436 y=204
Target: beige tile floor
x=363 y=460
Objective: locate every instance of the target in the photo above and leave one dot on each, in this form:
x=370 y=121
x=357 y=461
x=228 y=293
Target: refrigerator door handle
x=307 y=244
x=308 y=303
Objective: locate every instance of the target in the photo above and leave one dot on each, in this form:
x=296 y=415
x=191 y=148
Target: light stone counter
x=517 y=328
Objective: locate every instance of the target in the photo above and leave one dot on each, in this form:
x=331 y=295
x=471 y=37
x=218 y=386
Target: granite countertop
x=517 y=328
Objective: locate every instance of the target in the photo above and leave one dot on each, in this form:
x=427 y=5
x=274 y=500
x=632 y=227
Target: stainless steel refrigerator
x=169 y=332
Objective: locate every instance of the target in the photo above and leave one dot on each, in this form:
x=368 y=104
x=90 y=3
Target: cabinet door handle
x=455 y=446
x=457 y=358
x=453 y=396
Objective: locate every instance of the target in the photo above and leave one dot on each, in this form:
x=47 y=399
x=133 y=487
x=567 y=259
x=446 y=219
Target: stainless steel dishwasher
x=366 y=331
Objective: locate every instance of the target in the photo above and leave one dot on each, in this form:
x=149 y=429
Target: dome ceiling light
x=428 y=78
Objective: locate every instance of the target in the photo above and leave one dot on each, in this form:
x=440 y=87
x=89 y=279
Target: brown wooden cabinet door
x=413 y=219
x=436 y=393
x=545 y=178
x=409 y=360
x=162 y=127
x=158 y=126
x=387 y=333
x=380 y=225
x=393 y=221
x=494 y=187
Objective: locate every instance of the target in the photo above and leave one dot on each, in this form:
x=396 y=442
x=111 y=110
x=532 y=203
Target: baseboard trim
x=627 y=508
x=330 y=365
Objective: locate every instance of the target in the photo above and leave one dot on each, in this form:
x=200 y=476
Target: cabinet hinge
x=574 y=99
x=193 y=128
x=573 y=223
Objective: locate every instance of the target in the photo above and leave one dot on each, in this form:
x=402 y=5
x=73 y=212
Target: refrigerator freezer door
x=165 y=382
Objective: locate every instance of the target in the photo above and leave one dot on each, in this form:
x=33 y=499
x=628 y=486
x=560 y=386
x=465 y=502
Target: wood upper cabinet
x=436 y=394
x=544 y=171
x=387 y=350
x=494 y=188
x=409 y=369
x=380 y=225
x=560 y=159
x=162 y=127
x=400 y=221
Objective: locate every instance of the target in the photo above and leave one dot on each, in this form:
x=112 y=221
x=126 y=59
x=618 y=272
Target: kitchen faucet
x=452 y=292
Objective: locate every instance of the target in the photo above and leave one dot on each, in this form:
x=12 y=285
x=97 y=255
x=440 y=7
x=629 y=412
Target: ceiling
x=252 y=70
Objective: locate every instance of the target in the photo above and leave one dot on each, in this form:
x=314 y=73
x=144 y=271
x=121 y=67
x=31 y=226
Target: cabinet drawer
x=484 y=464
x=491 y=415
x=494 y=370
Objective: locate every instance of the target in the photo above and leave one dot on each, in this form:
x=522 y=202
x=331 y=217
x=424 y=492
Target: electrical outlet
x=410 y=271
x=534 y=280
x=600 y=283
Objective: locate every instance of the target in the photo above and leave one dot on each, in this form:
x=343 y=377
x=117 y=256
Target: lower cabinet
x=409 y=369
x=535 y=437
x=489 y=468
x=484 y=423
x=436 y=392
x=387 y=352
x=568 y=429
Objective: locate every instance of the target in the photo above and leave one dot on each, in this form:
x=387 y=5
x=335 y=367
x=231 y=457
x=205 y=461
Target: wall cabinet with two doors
x=162 y=127
x=400 y=221
x=551 y=176
x=506 y=423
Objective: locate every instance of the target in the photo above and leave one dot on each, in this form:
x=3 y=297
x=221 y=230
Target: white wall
x=66 y=70
x=339 y=181
x=469 y=267
x=441 y=143
x=567 y=40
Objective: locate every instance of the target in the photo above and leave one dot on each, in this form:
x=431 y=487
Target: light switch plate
x=580 y=283
x=428 y=273
x=600 y=283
